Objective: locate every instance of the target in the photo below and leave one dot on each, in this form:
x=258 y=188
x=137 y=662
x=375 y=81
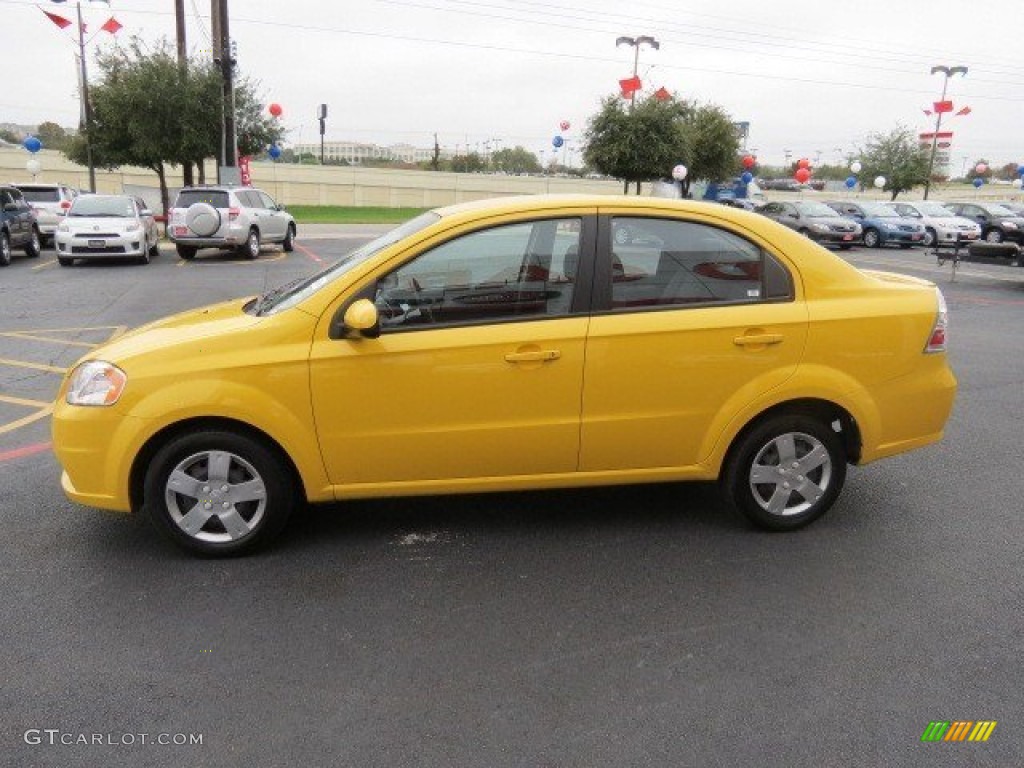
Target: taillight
x=65 y=204
x=937 y=339
x=233 y=213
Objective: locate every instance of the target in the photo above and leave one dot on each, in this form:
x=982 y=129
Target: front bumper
x=104 y=245
x=835 y=237
x=889 y=236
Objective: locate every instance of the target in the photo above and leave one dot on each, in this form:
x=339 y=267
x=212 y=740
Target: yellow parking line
x=61 y=330
x=33 y=337
x=44 y=265
x=42 y=413
x=246 y=263
x=23 y=401
x=33 y=366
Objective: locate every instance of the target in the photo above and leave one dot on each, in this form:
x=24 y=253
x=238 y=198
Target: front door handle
x=534 y=356
x=758 y=339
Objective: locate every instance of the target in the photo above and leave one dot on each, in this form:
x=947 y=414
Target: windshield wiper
x=266 y=301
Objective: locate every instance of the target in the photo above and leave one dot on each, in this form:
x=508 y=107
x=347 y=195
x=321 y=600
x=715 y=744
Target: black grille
x=105 y=249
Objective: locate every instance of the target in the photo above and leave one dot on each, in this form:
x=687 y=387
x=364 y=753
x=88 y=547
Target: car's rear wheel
x=5 y=249
x=871 y=238
x=251 y=249
x=219 y=492
x=186 y=252
x=34 y=246
x=929 y=237
x=786 y=471
x=994 y=236
x=289 y=239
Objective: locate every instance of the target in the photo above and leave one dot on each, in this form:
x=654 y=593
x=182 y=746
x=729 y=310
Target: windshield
x=815 y=210
x=291 y=294
x=97 y=205
x=998 y=210
x=880 y=211
x=935 y=210
x=40 y=194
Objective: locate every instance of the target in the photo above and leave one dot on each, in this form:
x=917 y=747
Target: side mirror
x=363 y=319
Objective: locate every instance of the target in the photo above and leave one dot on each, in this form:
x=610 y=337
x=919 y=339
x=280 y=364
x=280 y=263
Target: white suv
x=50 y=202
x=240 y=218
x=941 y=226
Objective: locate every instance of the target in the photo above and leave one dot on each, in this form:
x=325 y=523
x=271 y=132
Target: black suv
x=997 y=223
x=18 y=228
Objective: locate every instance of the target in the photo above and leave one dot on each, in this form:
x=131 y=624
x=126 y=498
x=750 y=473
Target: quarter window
x=672 y=263
x=516 y=271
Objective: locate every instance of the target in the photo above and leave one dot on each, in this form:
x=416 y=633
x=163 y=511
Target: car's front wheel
x=186 y=252
x=34 y=246
x=218 y=492
x=929 y=237
x=5 y=249
x=289 y=239
x=871 y=238
x=994 y=236
x=786 y=471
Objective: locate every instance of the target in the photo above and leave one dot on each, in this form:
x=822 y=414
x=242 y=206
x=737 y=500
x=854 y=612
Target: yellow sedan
x=531 y=342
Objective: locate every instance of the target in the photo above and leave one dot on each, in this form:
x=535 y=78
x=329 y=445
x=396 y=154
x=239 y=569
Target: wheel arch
x=143 y=458
x=826 y=411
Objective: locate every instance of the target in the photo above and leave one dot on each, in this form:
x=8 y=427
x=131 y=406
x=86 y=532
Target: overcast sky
x=809 y=75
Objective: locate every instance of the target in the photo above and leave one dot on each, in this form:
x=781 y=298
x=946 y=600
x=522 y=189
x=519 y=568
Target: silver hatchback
x=233 y=218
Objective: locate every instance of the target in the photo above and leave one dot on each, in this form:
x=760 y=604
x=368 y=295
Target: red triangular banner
x=60 y=21
x=112 y=26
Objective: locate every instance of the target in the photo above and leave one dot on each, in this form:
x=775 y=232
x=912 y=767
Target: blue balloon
x=747 y=177
x=978 y=183
x=32 y=144
x=557 y=142
x=274 y=151
x=851 y=182
x=1020 y=170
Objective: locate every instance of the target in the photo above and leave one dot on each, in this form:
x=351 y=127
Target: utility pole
x=86 y=107
x=948 y=72
x=179 y=24
x=224 y=57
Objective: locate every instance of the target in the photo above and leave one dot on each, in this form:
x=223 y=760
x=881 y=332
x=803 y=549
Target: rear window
x=189 y=197
x=41 y=194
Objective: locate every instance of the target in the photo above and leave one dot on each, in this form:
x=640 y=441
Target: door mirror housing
x=362 y=320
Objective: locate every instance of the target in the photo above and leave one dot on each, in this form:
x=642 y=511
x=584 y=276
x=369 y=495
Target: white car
x=941 y=226
x=105 y=227
x=50 y=202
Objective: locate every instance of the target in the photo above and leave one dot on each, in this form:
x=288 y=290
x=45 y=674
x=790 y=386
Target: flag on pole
x=964 y=111
x=112 y=26
x=60 y=21
x=630 y=84
x=662 y=94
x=943 y=106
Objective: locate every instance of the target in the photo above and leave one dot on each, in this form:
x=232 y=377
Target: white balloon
x=879 y=181
x=1017 y=183
x=679 y=172
x=33 y=166
x=855 y=166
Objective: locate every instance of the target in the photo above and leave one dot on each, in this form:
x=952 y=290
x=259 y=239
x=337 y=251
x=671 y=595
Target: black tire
x=805 y=232
x=289 y=239
x=154 y=249
x=251 y=249
x=796 y=492
x=34 y=246
x=872 y=239
x=994 y=236
x=206 y=516
x=930 y=237
x=65 y=261
x=5 y=249
x=186 y=252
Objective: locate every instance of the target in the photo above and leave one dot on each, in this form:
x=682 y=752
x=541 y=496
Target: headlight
x=132 y=227
x=65 y=227
x=96 y=383
x=1009 y=225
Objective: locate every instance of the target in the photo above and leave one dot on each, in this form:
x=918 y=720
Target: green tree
x=899 y=157
x=150 y=111
x=471 y=163
x=516 y=160
x=52 y=135
x=636 y=144
x=711 y=144
x=9 y=136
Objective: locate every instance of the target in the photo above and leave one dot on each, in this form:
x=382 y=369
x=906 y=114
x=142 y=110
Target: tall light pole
x=947 y=72
x=637 y=42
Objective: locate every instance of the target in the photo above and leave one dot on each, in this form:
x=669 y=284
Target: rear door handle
x=537 y=356
x=758 y=339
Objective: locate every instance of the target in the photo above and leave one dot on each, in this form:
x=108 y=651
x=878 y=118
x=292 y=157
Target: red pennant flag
x=112 y=26
x=630 y=84
x=60 y=21
x=942 y=107
x=964 y=111
x=662 y=94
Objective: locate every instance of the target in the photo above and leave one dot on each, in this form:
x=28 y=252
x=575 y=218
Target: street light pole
x=86 y=107
x=948 y=72
x=637 y=42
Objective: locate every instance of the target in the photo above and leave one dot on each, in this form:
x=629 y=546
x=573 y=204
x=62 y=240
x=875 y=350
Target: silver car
x=941 y=225
x=50 y=202
x=814 y=220
x=106 y=227
x=235 y=218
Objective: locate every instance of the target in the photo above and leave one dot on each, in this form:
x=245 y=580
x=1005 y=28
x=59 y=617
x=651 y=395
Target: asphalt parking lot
x=617 y=627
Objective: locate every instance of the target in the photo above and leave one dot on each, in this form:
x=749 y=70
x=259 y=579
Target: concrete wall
x=318 y=185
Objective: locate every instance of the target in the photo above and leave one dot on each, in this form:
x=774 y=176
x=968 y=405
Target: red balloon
x=275 y=110
x=749 y=161
x=802 y=175
x=803 y=162
x=564 y=125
